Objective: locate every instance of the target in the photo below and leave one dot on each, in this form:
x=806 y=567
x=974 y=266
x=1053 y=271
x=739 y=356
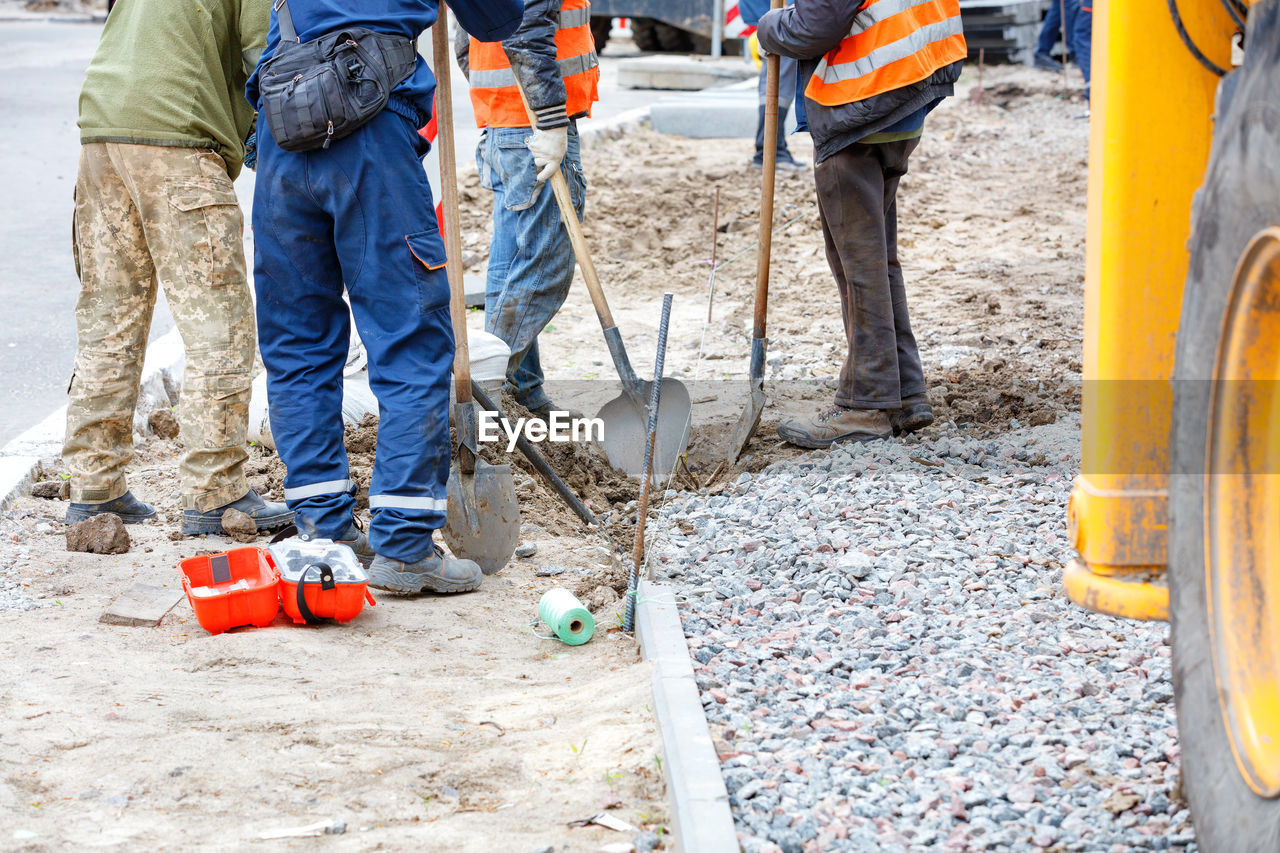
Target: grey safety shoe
x=358 y=542
x=915 y=414
x=268 y=515
x=436 y=573
x=1046 y=62
x=130 y=509
x=836 y=424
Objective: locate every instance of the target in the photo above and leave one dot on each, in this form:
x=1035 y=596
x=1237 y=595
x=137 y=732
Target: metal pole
x=717 y=27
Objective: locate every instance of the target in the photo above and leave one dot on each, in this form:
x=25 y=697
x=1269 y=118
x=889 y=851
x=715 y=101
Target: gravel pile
x=18 y=591
x=884 y=650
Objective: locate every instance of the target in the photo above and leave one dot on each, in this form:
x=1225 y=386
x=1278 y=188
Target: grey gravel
x=18 y=591
x=526 y=549
x=885 y=652
x=548 y=571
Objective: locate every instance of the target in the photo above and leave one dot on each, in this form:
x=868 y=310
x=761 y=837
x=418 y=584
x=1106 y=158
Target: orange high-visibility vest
x=494 y=95
x=892 y=44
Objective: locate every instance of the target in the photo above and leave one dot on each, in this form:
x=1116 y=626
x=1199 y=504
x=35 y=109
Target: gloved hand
x=548 y=147
x=251 y=152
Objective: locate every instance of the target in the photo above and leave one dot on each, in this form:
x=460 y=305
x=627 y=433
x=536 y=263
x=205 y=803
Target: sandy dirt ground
x=164 y=738
x=440 y=723
x=991 y=223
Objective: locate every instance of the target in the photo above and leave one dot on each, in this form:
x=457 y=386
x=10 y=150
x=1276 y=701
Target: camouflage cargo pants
x=146 y=215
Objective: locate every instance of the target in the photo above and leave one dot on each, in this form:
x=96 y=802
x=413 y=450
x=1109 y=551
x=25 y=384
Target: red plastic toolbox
x=231 y=589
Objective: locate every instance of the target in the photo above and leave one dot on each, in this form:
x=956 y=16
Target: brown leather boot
x=836 y=424
x=915 y=414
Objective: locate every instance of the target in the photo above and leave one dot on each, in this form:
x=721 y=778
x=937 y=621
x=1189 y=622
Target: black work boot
x=915 y=414
x=436 y=573
x=130 y=509
x=268 y=515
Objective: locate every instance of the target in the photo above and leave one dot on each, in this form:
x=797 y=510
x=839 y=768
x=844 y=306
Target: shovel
x=750 y=419
x=482 y=522
x=626 y=416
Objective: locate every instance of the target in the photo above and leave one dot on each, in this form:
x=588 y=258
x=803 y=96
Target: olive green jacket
x=172 y=72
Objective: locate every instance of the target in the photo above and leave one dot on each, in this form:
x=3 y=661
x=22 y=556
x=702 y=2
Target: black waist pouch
x=328 y=88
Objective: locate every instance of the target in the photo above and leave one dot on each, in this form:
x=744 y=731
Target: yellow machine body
x=1149 y=146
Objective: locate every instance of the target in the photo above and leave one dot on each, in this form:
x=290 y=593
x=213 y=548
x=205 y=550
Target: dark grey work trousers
x=857 y=190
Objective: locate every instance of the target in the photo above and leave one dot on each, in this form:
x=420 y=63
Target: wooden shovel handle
x=576 y=237
x=770 y=160
x=443 y=59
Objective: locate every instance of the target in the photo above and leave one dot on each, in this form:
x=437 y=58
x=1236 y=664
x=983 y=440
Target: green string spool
x=564 y=614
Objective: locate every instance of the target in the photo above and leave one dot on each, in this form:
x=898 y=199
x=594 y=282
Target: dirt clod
x=240 y=526
x=101 y=534
x=163 y=423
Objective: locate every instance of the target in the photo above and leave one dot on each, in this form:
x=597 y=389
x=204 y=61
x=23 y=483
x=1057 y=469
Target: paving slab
x=141 y=606
x=684 y=73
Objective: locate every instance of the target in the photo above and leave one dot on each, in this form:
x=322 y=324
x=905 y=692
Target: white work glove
x=548 y=148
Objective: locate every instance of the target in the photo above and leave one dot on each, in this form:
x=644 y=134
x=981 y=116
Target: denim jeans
x=531 y=260
x=786 y=95
x=1052 y=29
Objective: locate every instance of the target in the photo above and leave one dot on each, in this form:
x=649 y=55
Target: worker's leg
x=195 y=230
x=393 y=261
x=113 y=318
x=304 y=333
x=894 y=156
x=1051 y=29
x=787 y=69
x=851 y=201
x=531 y=260
x=1083 y=42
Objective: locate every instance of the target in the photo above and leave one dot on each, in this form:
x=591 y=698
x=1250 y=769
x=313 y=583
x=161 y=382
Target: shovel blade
x=482 y=522
x=626 y=429
x=747 y=424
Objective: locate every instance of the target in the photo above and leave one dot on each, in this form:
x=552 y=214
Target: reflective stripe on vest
x=892 y=44
x=494 y=95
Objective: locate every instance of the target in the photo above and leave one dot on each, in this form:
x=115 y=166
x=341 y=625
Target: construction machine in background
x=1176 y=513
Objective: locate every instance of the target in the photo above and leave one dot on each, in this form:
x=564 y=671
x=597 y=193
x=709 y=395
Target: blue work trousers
x=530 y=258
x=357 y=214
x=1052 y=29
x=1082 y=42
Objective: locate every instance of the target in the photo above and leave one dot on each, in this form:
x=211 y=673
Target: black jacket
x=811 y=28
x=531 y=50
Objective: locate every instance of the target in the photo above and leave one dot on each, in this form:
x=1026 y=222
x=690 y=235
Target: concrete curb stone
x=20 y=458
x=699 y=800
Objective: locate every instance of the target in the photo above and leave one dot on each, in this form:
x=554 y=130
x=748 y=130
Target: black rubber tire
x=1239 y=198
x=644 y=33
x=601 y=26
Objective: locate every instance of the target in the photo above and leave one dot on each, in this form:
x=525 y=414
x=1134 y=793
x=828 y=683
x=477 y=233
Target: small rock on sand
x=240 y=526
x=163 y=423
x=101 y=534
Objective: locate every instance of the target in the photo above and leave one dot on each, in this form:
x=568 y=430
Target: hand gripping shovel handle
x=465 y=414
x=630 y=382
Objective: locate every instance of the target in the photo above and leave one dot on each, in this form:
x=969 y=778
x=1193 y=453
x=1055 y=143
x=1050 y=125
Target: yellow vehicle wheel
x=1224 y=538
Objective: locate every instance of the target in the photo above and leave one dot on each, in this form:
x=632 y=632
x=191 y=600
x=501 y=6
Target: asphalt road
x=41 y=69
